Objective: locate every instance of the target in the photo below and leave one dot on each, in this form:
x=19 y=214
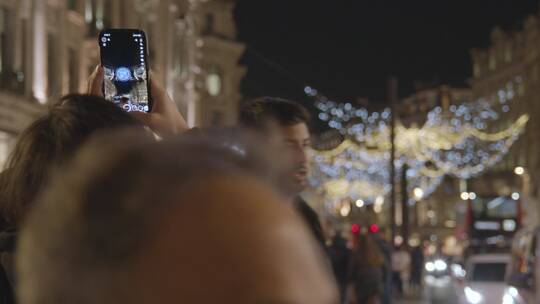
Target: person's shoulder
x=8 y=239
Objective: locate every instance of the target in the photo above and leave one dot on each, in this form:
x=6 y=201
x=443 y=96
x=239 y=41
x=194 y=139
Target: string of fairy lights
x=458 y=141
x=453 y=141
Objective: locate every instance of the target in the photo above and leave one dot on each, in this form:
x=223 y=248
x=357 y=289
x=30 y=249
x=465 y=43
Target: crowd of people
x=102 y=206
x=369 y=270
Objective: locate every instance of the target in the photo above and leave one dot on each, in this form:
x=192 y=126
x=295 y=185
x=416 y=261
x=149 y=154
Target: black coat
x=312 y=220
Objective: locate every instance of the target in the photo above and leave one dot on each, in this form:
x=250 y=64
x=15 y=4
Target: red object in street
x=373 y=228
x=355 y=228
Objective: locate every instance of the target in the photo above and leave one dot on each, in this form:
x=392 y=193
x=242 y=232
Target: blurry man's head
x=134 y=221
x=290 y=120
x=48 y=142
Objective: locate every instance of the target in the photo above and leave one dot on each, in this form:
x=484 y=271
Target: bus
x=488 y=223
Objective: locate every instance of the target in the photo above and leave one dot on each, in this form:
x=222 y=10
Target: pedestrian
x=132 y=220
x=50 y=142
x=339 y=254
x=285 y=124
x=401 y=263
x=365 y=272
x=41 y=148
x=386 y=250
x=417 y=266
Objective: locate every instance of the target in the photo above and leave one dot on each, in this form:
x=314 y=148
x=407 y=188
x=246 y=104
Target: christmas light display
x=453 y=141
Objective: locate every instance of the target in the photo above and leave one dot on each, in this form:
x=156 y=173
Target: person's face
x=295 y=140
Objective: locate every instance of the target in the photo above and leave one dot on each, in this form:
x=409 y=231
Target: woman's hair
x=47 y=143
x=367 y=252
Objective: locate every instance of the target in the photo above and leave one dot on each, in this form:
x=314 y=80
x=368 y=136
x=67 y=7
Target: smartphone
x=124 y=58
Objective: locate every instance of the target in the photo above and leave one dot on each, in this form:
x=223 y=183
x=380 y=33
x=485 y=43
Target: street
x=441 y=292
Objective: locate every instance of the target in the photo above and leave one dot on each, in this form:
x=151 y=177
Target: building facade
x=49 y=47
x=434 y=218
x=507 y=73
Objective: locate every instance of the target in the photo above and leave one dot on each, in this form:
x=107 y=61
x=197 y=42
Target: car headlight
x=430 y=267
x=458 y=271
x=507 y=299
x=511 y=296
x=440 y=265
x=474 y=297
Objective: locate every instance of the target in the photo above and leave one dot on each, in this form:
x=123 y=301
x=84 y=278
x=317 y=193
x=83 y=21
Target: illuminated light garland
x=452 y=142
x=518 y=125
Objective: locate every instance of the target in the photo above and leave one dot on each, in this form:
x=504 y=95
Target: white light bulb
x=418 y=193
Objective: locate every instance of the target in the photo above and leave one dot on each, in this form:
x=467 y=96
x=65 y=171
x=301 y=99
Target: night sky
x=348 y=48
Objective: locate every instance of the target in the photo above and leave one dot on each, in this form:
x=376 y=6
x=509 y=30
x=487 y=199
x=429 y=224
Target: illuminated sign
x=484 y=225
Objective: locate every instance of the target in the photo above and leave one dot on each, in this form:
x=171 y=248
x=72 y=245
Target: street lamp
x=345 y=210
x=465 y=196
x=526 y=200
x=418 y=193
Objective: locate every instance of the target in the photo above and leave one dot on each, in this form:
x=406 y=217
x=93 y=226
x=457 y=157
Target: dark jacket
x=312 y=220
x=7 y=249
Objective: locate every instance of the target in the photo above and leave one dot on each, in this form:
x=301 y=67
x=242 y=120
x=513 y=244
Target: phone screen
x=124 y=59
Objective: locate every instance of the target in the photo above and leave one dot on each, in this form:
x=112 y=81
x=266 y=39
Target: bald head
x=132 y=221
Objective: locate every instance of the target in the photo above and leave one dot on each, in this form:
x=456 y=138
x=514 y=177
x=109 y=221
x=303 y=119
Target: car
x=485 y=280
x=437 y=272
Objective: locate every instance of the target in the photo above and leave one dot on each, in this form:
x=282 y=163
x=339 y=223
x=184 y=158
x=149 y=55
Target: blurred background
x=461 y=80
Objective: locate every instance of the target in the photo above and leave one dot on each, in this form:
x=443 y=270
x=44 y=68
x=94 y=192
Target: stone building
x=49 y=47
x=507 y=73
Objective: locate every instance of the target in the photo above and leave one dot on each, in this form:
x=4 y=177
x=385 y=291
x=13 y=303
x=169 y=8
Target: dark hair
x=47 y=143
x=367 y=252
x=261 y=111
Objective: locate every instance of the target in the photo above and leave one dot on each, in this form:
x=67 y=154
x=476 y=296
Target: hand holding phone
x=124 y=58
x=165 y=119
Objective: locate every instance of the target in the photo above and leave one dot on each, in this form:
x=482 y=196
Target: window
x=107 y=14
x=20 y=78
x=488 y=272
x=492 y=62
x=521 y=89
x=94 y=15
x=7 y=77
x=476 y=70
x=501 y=207
x=209 y=24
x=217 y=118
x=98 y=22
x=73 y=68
x=88 y=11
x=179 y=47
x=52 y=66
x=508 y=54
x=213 y=83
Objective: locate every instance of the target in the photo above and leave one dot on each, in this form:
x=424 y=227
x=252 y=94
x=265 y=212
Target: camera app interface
x=123 y=56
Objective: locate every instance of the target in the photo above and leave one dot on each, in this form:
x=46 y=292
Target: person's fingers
x=95 y=82
x=158 y=93
x=141 y=116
